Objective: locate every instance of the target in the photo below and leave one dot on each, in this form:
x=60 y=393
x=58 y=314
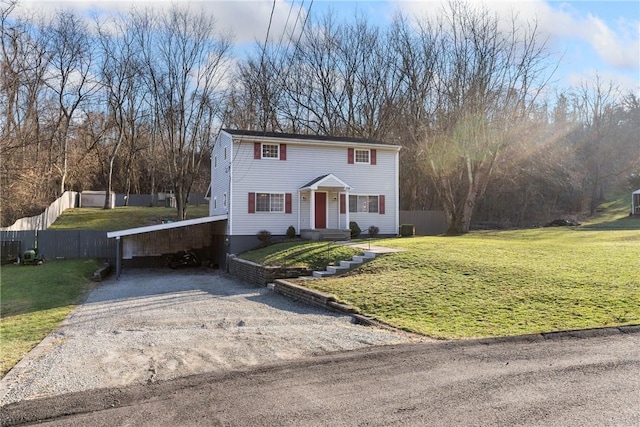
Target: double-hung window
x=270 y=151
x=269 y=202
x=363 y=204
x=361 y=156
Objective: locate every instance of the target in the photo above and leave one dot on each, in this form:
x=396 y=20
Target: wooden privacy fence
x=427 y=223
x=46 y=218
x=64 y=244
x=76 y=244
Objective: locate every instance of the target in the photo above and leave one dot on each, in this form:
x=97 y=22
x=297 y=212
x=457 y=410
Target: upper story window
x=224 y=200
x=362 y=156
x=215 y=161
x=270 y=151
x=225 y=153
x=266 y=150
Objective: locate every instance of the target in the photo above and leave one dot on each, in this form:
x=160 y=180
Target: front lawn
x=499 y=283
x=301 y=253
x=34 y=300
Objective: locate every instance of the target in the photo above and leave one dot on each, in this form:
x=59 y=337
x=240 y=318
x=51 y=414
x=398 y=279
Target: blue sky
x=586 y=37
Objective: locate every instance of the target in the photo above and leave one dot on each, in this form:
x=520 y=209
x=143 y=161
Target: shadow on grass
x=623 y=223
x=58 y=283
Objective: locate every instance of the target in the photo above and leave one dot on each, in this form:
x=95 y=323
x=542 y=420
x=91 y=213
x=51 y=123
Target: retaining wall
x=261 y=275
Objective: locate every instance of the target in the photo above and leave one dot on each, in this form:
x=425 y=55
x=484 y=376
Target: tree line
x=134 y=103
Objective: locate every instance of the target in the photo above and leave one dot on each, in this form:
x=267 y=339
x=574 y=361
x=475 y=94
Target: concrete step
x=334 y=269
x=369 y=255
x=349 y=264
x=321 y=274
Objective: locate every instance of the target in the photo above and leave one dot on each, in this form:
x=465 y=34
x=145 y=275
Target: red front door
x=321 y=210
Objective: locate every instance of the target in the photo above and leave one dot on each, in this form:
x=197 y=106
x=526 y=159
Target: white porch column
x=346 y=208
x=299 y=209
x=312 y=210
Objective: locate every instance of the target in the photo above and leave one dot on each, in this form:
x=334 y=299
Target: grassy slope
x=500 y=283
x=34 y=300
x=120 y=218
x=504 y=283
x=301 y=254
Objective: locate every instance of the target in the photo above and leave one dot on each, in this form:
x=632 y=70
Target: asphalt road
x=551 y=380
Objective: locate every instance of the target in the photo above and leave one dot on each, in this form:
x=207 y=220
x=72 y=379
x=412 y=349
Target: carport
x=157 y=240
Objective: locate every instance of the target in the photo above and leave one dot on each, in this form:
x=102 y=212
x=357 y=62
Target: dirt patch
x=158 y=325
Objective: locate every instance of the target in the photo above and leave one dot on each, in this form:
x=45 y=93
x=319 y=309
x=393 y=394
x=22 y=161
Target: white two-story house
x=317 y=184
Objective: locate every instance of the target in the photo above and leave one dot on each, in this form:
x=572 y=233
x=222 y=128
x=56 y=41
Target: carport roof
x=166 y=226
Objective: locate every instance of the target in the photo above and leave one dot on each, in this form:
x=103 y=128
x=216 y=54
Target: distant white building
x=635 y=202
x=270 y=181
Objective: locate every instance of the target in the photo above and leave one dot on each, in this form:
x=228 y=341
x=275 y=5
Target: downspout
x=299 y=209
x=397 y=196
x=230 y=194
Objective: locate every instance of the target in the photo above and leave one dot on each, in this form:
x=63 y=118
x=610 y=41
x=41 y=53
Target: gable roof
x=329 y=180
x=295 y=136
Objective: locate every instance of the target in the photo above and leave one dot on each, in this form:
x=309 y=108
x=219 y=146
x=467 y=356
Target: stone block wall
x=261 y=275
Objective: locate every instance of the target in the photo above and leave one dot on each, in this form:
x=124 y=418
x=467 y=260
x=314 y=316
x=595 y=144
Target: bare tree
x=121 y=80
x=23 y=63
x=608 y=139
x=69 y=79
x=185 y=75
x=488 y=80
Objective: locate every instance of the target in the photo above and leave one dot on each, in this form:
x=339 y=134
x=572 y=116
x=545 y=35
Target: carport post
x=118 y=257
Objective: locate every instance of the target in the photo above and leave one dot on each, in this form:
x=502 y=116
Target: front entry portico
x=324 y=213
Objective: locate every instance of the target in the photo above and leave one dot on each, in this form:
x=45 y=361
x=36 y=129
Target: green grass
x=499 y=283
x=120 y=218
x=614 y=215
x=34 y=300
x=301 y=253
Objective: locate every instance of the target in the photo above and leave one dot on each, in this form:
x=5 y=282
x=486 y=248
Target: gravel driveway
x=162 y=324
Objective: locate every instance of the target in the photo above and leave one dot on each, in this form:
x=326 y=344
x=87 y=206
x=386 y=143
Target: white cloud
x=247 y=20
x=624 y=83
x=583 y=39
x=616 y=49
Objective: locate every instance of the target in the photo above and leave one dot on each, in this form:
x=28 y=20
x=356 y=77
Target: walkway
x=370 y=248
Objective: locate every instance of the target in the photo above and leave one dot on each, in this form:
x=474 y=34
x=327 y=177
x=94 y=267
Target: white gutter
x=285 y=140
x=166 y=226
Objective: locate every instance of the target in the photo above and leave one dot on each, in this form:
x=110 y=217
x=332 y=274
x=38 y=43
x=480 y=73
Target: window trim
x=262 y=144
x=362 y=150
x=270 y=211
x=368 y=196
x=224 y=200
x=215 y=203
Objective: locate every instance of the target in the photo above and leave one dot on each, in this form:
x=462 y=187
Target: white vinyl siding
x=220 y=171
x=304 y=164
